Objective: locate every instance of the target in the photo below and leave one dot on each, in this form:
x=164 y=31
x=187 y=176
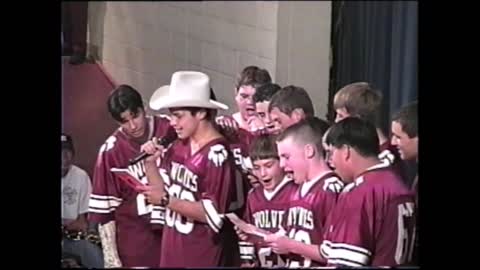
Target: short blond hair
x=361 y=100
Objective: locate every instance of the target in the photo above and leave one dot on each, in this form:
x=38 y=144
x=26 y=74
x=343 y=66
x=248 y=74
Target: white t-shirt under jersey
x=76 y=189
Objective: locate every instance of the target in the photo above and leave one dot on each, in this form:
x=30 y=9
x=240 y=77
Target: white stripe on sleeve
x=213 y=218
x=103 y=204
x=247 y=250
x=344 y=253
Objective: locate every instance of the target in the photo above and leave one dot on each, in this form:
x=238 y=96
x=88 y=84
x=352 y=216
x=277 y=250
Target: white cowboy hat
x=186 y=89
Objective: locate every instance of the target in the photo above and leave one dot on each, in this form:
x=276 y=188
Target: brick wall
x=143 y=43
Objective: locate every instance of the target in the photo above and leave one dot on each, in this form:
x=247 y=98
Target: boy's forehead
x=262 y=161
x=246 y=89
x=126 y=115
x=397 y=127
x=263 y=104
x=275 y=111
x=129 y=113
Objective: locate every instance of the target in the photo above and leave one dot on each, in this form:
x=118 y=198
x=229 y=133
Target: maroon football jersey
x=266 y=210
x=307 y=212
x=113 y=199
x=389 y=155
x=206 y=176
x=239 y=143
x=416 y=245
x=372 y=223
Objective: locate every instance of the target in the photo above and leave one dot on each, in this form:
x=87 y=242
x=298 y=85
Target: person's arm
x=227 y=123
x=193 y=210
x=156 y=190
x=307 y=250
x=153 y=175
x=281 y=244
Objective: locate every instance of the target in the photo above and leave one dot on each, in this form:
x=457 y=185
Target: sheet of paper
x=128 y=178
x=245 y=227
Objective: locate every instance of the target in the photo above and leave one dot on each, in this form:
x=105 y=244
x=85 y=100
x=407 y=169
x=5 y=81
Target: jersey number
x=173 y=219
x=269 y=259
x=304 y=237
x=143 y=207
x=405 y=241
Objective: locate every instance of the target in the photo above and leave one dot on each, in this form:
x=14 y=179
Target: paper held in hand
x=128 y=178
x=249 y=229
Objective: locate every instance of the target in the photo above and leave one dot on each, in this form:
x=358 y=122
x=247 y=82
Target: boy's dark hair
x=263 y=147
x=252 y=76
x=357 y=133
x=124 y=98
x=265 y=92
x=407 y=117
x=320 y=126
x=210 y=116
x=290 y=98
x=307 y=131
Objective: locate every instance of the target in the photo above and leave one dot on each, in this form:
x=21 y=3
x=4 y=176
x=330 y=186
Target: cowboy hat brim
x=162 y=100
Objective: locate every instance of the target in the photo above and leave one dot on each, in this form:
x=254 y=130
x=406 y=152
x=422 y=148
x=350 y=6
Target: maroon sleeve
x=105 y=196
x=351 y=242
x=220 y=183
x=247 y=216
x=247 y=249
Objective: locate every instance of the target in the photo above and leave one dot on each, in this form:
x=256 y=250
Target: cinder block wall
x=143 y=43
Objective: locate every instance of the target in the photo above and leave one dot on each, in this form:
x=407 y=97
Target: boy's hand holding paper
x=245 y=231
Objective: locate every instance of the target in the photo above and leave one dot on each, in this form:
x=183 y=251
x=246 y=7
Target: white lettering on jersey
x=240 y=197
x=243 y=162
x=301 y=217
x=175 y=220
x=268 y=219
x=138 y=171
x=181 y=174
x=268 y=258
x=304 y=237
x=218 y=154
